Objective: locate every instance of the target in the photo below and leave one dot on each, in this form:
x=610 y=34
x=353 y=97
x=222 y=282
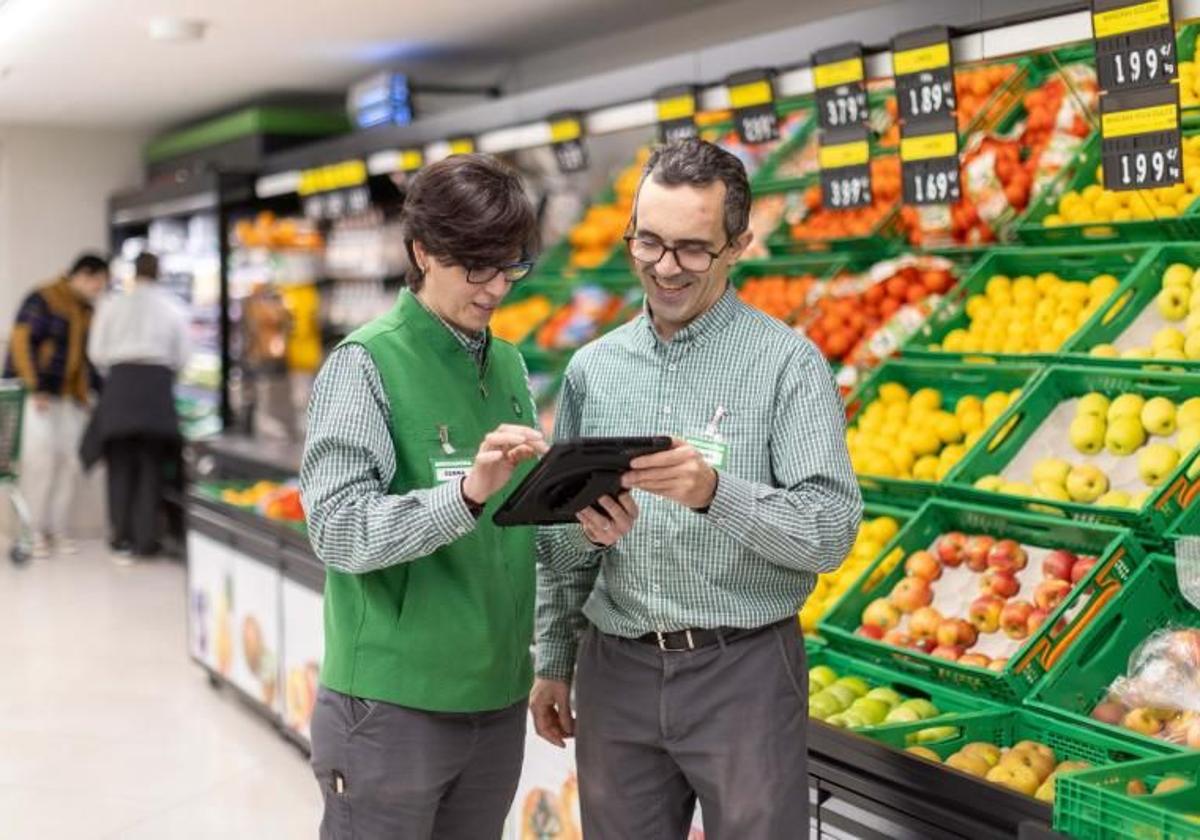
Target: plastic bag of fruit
x=1163 y=683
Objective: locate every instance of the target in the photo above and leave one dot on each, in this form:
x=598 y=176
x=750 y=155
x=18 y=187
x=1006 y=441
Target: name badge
x=714 y=452
x=450 y=469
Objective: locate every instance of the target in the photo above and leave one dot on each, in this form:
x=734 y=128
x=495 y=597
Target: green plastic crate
x=767 y=179
x=1069 y=263
x=1093 y=804
x=1057 y=384
x=1079 y=681
x=951 y=704
x=955 y=381
x=1009 y=727
x=1138 y=291
x=1187 y=524
x=1116 y=549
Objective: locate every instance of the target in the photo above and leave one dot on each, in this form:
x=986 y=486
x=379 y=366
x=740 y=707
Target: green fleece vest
x=450 y=632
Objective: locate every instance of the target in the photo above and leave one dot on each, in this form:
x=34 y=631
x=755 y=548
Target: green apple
x=1115 y=498
x=1189 y=413
x=839 y=721
x=1168 y=337
x=888 y=695
x=1087 y=483
x=1087 y=433
x=902 y=715
x=873 y=711
x=924 y=708
x=822 y=676
x=840 y=702
x=935 y=734
x=1051 y=471
x=1126 y=405
x=1104 y=351
x=1156 y=463
x=1094 y=403
x=990 y=483
x=1125 y=436
x=855 y=720
x=1191 y=347
x=858 y=685
x=823 y=706
x=1189 y=439
x=1173 y=302
x=1158 y=416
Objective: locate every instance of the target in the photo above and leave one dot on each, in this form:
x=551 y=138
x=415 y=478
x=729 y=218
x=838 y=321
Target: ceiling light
x=176 y=30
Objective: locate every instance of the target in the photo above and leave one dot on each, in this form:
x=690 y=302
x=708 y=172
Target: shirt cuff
x=556 y=659
x=449 y=510
x=732 y=506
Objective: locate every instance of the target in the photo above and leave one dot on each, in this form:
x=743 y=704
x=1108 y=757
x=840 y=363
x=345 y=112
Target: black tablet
x=573 y=475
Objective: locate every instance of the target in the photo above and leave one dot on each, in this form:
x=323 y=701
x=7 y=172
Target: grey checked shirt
x=787 y=505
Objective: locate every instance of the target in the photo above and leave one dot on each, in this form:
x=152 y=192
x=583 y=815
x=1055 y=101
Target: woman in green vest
x=419 y=421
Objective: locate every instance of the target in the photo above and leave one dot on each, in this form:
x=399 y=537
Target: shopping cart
x=12 y=405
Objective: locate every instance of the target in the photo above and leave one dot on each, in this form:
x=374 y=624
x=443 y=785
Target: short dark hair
x=146 y=266
x=700 y=163
x=89 y=264
x=468 y=210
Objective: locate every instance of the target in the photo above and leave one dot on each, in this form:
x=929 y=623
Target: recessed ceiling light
x=176 y=30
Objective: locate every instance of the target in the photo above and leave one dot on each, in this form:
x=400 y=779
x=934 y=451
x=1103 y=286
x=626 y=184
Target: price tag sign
x=335 y=176
x=566 y=136
x=1135 y=43
x=752 y=96
x=924 y=71
x=1140 y=144
x=929 y=166
x=839 y=78
x=462 y=146
x=411 y=160
x=676 y=113
x=845 y=158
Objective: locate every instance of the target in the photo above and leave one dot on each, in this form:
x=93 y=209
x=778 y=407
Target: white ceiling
x=91 y=62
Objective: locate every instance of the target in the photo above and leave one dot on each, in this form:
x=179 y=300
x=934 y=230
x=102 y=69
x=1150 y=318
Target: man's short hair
x=700 y=163
x=89 y=264
x=146 y=266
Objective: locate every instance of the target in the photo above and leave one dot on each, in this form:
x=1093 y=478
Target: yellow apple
x=1173 y=303
x=1126 y=405
x=1139 y=499
x=1115 y=498
x=1179 y=275
x=1094 y=404
x=1087 y=433
x=1193 y=321
x=1052 y=491
x=1104 y=351
x=1016 y=488
x=1170 y=354
x=1156 y=463
x=1051 y=470
x=1125 y=436
x=990 y=483
x=1158 y=416
x=1168 y=338
x=1138 y=353
x=988 y=752
x=1189 y=413
x=1191 y=347
x=974 y=765
x=1189 y=439
x=1087 y=483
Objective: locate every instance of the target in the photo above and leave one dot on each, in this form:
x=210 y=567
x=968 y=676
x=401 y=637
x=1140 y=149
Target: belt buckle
x=662 y=642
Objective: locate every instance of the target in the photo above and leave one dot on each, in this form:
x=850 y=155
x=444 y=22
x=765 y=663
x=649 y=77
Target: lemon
x=1093 y=191
x=947 y=427
x=1102 y=286
x=928 y=398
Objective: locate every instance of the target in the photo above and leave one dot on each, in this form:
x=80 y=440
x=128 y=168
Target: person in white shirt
x=139 y=343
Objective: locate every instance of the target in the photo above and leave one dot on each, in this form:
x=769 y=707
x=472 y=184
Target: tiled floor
x=108 y=730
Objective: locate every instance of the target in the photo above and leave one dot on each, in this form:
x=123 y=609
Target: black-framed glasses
x=694 y=258
x=513 y=273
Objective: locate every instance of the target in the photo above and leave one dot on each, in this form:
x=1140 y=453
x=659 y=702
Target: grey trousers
x=390 y=772
x=726 y=724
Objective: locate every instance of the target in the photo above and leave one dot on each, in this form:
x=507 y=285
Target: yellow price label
x=1132 y=18
x=336 y=176
x=677 y=108
x=928 y=147
x=563 y=130
x=751 y=94
x=856 y=153
x=1139 y=121
x=919 y=60
x=462 y=146
x=411 y=160
x=838 y=73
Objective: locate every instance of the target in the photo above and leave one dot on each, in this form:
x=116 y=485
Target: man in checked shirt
x=689 y=672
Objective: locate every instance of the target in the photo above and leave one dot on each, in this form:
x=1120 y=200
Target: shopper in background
x=48 y=352
x=691 y=678
x=417 y=422
x=139 y=342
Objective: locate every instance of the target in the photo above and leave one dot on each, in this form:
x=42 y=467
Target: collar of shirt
x=698 y=331
x=475 y=345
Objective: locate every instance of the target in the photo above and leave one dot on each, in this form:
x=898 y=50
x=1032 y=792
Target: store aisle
x=107 y=730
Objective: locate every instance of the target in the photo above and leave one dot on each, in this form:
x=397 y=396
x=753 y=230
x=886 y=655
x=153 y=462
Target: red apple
x=1058 y=564
x=975 y=552
x=976 y=660
x=924 y=565
x=950 y=652
x=985 y=613
x=870 y=631
x=880 y=613
x=910 y=594
x=897 y=638
x=949 y=548
x=1036 y=619
x=924 y=623
x=1014 y=620
x=1007 y=556
x=924 y=645
x=998 y=665
x=954 y=632
x=1081 y=568
x=1000 y=584
x=1110 y=712
x=1051 y=593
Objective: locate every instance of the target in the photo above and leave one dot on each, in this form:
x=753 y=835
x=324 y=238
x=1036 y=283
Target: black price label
x=1135 y=43
x=845 y=169
x=752 y=97
x=929 y=166
x=839 y=79
x=566 y=135
x=924 y=69
x=676 y=113
x=1140 y=142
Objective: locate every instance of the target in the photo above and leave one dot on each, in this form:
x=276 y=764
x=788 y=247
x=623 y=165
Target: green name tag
x=450 y=469
x=714 y=452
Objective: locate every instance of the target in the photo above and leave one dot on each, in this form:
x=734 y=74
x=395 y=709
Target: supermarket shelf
x=248 y=457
